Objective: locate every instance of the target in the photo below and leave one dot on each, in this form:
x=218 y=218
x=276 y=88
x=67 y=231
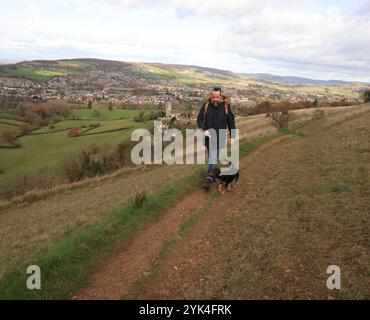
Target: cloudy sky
x=309 y=38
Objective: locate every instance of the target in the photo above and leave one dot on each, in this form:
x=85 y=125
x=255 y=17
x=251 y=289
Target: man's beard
x=215 y=103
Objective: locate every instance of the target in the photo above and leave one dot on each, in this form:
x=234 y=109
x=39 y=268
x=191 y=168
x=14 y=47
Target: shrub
x=140 y=117
x=123 y=152
x=20 y=118
x=74 y=132
x=25 y=128
x=97 y=160
x=76 y=167
x=139 y=198
x=264 y=107
x=89 y=163
x=367 y=96
x=40 y=114
x=93 y=148
x=154 y=115
x=280 y=119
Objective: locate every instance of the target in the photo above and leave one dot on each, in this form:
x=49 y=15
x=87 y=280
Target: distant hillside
x=295 y=81
x=152 y=83
x=8 y=61
x=45 y=69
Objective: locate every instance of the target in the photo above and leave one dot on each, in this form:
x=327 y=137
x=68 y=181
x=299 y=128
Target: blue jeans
x=213 y=154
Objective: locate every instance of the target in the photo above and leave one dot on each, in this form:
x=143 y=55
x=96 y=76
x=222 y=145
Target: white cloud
x=307 y=38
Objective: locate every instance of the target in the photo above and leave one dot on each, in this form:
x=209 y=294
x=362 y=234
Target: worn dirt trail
x=275 y=234
x=118 y=272
x=116 y=276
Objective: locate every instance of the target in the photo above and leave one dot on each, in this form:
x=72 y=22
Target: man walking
x=215 y=114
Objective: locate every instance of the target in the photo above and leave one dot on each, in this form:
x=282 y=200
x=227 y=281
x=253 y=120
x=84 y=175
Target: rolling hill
x=190 y=83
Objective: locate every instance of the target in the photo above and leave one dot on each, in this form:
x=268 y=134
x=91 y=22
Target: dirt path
x=184 y=275
x=119 y=272
x=301 y=205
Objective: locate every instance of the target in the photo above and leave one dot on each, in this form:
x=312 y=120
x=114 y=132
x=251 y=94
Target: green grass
x=6 y=127
x=33 y=74
x=11 y=121
x=322 y=90
x=64 y=267
x=105 y=114
x=185 y=76
x=104 y=125
x=75 y=64
x=50 y=150
x=6 y=115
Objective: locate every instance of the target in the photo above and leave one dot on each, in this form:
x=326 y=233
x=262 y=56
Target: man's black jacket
x=216 y=118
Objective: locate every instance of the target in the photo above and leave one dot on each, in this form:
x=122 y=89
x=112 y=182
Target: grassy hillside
x=107 y=114
x=48 y=148
x=44 y=70
x=30 y=73
x=301 y=205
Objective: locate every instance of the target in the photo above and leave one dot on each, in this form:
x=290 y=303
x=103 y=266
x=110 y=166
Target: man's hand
x=206 y=133
x=232 y=140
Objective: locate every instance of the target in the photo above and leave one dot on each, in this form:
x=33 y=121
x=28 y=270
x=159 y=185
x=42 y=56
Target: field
x=43 y=72
x=48 y=148
x=107 y=114
x=189 y=75
x=33 y=74
x=301 y=205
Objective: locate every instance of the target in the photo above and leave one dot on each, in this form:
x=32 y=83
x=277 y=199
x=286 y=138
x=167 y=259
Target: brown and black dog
x=225 y=181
